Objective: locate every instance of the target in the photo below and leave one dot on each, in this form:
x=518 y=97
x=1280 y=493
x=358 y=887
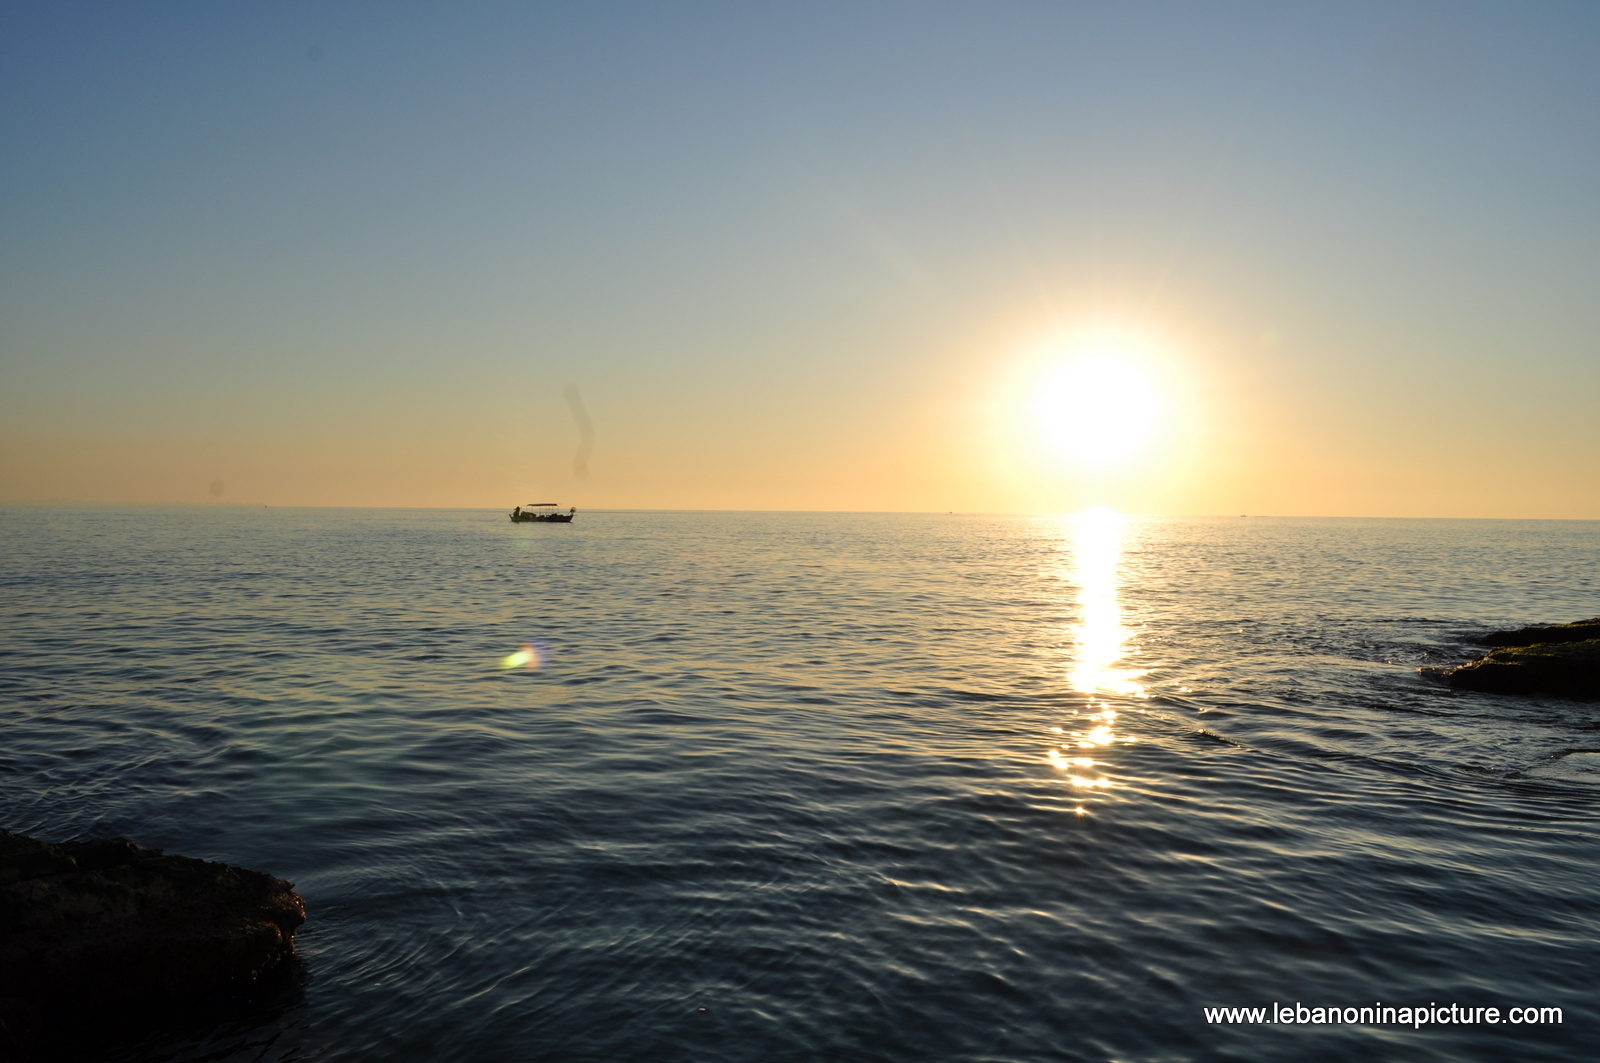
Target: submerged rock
x=1545 y=634
x=1564 y=668
x=91 y=926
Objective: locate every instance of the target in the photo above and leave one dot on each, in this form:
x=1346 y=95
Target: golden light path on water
x=1100 y=649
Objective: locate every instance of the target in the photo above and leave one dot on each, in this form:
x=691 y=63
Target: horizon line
x=70 y=503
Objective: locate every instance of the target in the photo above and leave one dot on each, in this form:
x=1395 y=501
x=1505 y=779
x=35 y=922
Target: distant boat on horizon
x=541 y=513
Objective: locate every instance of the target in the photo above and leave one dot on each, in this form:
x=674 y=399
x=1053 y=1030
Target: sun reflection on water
x=1097 y=542
x=1101 y=648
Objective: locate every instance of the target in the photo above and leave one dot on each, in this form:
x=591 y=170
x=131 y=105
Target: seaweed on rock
x=1561 y=659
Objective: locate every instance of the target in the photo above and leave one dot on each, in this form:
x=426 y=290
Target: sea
x=674 y=786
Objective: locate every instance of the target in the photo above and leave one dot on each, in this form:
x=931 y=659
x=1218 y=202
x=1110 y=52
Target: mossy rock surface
x=91 y=925
x=1545 y=634
x=1565 y=669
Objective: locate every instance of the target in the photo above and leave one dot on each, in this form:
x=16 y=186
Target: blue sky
x=790 y=254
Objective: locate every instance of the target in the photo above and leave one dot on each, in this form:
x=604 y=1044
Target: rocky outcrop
x=89 y=926
x=1559 y=659
x=1545 y=634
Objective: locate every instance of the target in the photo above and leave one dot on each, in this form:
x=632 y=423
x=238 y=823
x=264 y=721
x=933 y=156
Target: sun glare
x=1097 y=544
x=1096 y=409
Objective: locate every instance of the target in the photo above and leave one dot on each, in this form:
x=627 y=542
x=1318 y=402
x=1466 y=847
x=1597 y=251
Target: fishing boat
x=541 y=513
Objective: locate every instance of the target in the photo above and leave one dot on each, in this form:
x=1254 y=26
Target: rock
x=1548 y=634
x=1566 y=669
x=86 y=927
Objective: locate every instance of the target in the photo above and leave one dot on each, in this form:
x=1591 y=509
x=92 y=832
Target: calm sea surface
x=806 y=786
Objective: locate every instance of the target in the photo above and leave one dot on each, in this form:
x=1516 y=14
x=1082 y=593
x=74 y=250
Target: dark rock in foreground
x=1545 y=634
x=90 y=926
x=1564 y=668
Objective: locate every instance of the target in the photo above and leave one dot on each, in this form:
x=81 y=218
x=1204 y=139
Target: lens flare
x=529 y=655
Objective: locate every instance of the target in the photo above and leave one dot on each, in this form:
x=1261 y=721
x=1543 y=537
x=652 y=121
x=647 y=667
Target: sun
x=1096 y=408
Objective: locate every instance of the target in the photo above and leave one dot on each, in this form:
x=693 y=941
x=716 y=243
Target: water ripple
x=796 y=787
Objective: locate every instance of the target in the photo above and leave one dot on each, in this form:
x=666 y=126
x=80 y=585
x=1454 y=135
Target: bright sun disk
x=1096 y=409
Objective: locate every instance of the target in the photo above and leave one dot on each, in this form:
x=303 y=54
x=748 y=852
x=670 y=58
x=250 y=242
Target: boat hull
x=541 y=518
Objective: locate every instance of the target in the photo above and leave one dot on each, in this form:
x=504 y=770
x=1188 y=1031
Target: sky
x=1335 y=259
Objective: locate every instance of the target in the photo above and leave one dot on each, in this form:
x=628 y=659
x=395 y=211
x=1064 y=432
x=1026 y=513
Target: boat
x=541 y=513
